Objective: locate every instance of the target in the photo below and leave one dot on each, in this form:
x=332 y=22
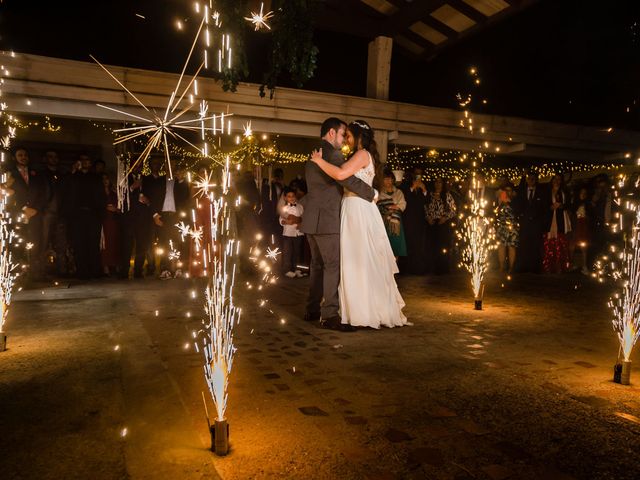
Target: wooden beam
x=339 y=15
x=468 y=10
x=68 y=88
x=410 y=13
x=415 y=38
x=516 y=7
x=436 y=24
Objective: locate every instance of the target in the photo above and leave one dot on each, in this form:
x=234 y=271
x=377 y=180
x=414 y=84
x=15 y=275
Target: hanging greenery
x=293 y=49
x=232 y=16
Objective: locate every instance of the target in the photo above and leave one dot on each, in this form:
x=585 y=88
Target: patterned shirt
x=437 y=207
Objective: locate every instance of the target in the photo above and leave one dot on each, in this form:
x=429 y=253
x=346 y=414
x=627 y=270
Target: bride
x=369 y=296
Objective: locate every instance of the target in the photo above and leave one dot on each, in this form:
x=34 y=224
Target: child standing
x=290 y=216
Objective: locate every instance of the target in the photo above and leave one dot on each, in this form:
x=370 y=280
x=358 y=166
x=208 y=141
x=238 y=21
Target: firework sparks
x=259 y=19
x=161 y=128
x=478 y=237
x=622 y=265
x=8 y=267
x=248 y=131
x=222 y=315
x=475 y=231
x=273 y=253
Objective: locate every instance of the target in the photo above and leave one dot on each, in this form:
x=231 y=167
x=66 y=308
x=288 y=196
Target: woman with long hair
x=558 y=226
x=369 y=296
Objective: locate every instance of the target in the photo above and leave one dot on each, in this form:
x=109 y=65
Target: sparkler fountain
x=478 y=238
x=7 y=265
x=8 y=274
x=219 y=254
x=623 y=267
x=475 y=231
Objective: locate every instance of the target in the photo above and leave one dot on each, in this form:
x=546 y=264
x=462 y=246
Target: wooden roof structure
x=420 y=28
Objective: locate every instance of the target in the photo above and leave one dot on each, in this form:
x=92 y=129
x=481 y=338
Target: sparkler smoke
x=8 y=274
x=161 y=128
x=219 y=256
x=622 y=265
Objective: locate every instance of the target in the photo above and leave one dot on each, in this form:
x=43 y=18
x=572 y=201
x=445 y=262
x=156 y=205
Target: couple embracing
x=352 y=280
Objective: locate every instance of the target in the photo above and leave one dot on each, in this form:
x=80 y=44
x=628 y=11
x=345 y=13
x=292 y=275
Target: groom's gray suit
x=321 y=224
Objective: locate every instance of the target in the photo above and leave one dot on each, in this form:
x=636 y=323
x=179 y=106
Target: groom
x=321 y=225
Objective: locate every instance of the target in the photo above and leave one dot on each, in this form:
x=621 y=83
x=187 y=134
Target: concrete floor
x=520 y=390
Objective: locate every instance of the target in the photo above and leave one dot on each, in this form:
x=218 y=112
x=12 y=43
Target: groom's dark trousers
x=324 y=275
x=321 y=224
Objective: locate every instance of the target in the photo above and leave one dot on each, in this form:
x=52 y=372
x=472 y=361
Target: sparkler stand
x=477 y=305
x=617 y=373
x=3 y=341
x=220 y=437
x=625 y=377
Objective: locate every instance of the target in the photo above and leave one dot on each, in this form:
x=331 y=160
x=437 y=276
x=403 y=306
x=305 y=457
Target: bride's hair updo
x=363 y=135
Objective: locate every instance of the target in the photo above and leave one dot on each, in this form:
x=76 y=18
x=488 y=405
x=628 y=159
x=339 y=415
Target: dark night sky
x=576 y=61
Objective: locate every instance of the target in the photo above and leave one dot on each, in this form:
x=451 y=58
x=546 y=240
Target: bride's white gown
x=369 y=296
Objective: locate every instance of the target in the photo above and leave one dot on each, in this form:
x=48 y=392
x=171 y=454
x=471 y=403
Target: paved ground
x=521 y=390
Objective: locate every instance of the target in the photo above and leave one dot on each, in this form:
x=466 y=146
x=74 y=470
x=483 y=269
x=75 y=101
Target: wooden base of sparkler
x=622 y=372
x=477 y=303
x=625 y=376
x=219 y=437
x=3 y=341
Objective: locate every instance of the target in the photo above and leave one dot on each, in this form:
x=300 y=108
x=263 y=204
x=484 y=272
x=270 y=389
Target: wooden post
x=378 y=72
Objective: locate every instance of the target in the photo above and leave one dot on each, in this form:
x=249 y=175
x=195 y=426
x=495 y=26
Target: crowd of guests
x=73 y=224
x=553 y=227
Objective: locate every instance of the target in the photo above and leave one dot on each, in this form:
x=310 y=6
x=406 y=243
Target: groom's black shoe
x=311 y=317
x=334 y=323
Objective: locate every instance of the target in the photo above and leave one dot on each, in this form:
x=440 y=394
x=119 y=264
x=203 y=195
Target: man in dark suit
x=29 y=200
x=86 y=203
x=54 y=230
x=530 y=208
x=414 y=222
x=166 y=197
x=321 y=224
x=154 y=187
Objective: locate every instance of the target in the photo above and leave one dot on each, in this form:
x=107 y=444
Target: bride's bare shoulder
x=361 y=157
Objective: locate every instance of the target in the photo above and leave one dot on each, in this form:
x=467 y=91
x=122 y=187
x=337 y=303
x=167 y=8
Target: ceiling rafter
x=515 y=7
x=410 y=13
x=468 y=10
x=339 y=15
